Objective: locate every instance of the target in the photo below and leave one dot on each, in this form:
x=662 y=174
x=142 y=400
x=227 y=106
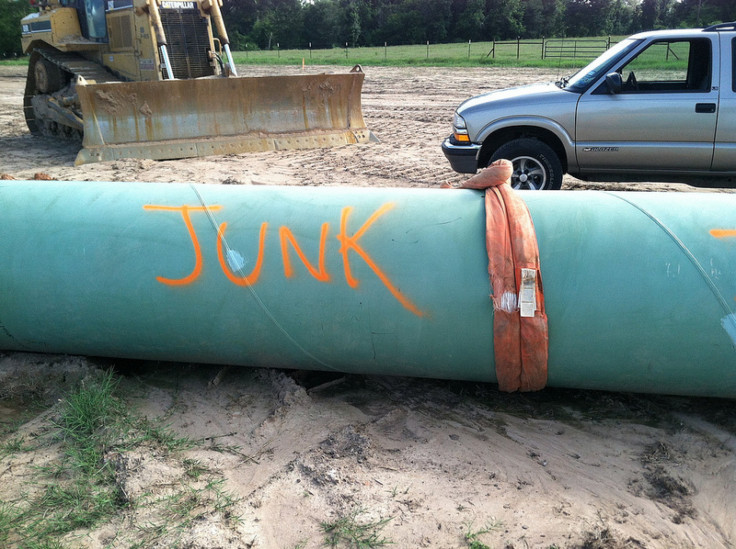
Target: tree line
x=267 y=24
x=270 y=24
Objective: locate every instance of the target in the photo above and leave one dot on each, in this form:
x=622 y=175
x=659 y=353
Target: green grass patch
x=13 y=446
x=18 y=61
x=185 y=506
x=352 y=531
x=91 y=432
x=144 y=431
x=526 y=53
x=552 y=53
x=78 y=490
x=8 y=515
x=472 y=535
x=90 y=420
x=82 y=502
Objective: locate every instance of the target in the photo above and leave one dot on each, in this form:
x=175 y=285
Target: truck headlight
x=459 y=129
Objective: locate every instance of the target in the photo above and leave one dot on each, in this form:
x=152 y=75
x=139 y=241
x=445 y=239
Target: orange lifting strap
x=520 y=332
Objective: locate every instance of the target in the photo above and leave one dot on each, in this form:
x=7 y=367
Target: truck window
x=579 y=81
x=670 y=66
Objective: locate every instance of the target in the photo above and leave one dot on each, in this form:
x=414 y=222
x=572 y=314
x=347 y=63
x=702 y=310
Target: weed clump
x=93 y=432
x=354 y=532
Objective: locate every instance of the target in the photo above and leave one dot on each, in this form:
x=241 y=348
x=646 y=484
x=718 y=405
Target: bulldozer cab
x=91 y=18
x=94 y=26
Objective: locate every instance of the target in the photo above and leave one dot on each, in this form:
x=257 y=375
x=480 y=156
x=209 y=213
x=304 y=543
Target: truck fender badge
x=600 y=149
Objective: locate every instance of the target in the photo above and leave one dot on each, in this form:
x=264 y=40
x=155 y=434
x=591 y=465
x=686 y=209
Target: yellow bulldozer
x=156 y=79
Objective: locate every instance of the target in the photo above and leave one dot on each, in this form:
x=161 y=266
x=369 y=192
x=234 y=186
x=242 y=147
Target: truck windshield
x=580 y=81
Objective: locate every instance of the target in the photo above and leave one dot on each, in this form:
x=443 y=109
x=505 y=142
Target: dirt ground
x=439 y=461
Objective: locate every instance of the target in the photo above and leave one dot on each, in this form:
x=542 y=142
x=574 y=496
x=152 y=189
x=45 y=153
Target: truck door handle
x=705 y=107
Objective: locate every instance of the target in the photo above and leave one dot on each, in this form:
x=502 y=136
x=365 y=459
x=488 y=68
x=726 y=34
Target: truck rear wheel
x=536 y=166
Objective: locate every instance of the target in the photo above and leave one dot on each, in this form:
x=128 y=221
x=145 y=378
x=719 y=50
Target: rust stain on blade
x=242 y=114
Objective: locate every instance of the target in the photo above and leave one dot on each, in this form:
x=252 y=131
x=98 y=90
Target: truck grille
x=187 y=34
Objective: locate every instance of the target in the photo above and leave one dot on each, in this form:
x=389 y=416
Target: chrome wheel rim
x=528 y=174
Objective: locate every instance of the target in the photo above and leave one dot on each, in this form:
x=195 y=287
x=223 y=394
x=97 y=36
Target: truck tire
x=536 y=166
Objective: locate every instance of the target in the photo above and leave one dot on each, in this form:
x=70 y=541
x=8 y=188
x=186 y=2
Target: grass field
x=525 y=53
x=568 y=52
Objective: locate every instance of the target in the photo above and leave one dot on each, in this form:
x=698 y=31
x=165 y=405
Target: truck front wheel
x=536 y=166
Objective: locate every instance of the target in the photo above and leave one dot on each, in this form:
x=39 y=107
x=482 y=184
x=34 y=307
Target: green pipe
x=639 y=288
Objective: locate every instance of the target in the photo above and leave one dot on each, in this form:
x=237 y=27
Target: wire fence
x=506 y=50
x=559 y=48
x=574 y=49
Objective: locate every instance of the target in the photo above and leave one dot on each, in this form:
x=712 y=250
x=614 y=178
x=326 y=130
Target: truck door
x=661 y=116
x=724 y=158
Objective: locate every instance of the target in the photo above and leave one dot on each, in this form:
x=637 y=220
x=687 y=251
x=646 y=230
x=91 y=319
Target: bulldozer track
x=74 y=64
x=79 y=66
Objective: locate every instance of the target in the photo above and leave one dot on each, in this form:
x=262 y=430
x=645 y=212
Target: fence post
x=310 y=50
x=385 y=50
x=468 y=49
x=542 y=47
x=346 y=50
x=427 y=49
x=278 y=50
x=518 y=47
x=493 y=49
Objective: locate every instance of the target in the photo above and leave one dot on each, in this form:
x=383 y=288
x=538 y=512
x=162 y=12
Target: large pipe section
x=639 y=288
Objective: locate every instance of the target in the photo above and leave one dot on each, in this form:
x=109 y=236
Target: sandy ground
x=438 y=459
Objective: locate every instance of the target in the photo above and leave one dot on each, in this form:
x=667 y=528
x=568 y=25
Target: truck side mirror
x=614 y=82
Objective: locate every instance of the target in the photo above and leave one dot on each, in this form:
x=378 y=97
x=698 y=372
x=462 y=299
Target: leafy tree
x=469 y=16
x=700 y=13
x=278 y=24
x=655 y=13
x=414 y=22
x=723 y=10
x=321 y=24
x=240 y=16
x=504 y=19
x=403 y=27
x=589 y=17
x=437 y=17
x=353 y=16
x=264 y=23
x=381 y=11
x=325 y=23
x=355 y=22
x=11 y=12
x=623 y=16
x=533 y=18
x=553 y=18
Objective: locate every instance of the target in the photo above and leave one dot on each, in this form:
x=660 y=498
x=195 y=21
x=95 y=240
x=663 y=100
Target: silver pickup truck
x=658 y=106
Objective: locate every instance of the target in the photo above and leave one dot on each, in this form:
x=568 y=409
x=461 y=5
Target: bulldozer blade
x=211 y=116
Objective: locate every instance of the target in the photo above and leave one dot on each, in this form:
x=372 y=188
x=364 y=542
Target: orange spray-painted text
x=348 y=243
